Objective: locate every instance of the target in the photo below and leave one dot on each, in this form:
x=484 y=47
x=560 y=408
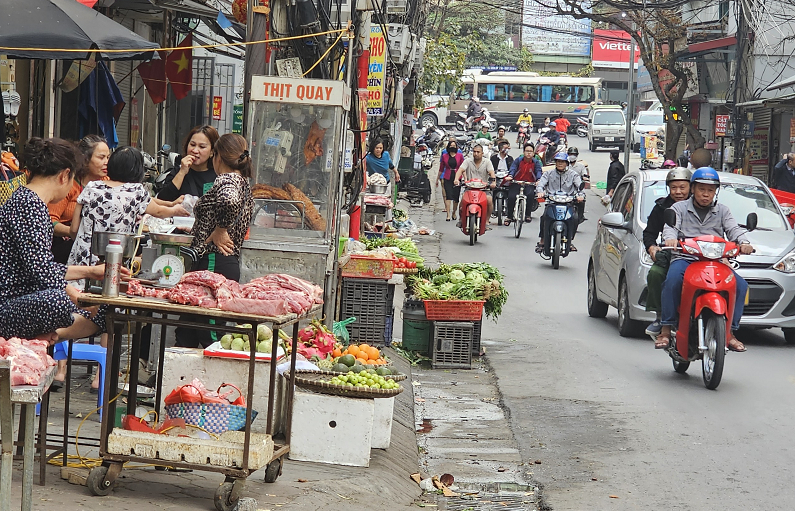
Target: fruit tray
x=396 y=377
x=368 y=268
x=312 y=380
x=454 y=310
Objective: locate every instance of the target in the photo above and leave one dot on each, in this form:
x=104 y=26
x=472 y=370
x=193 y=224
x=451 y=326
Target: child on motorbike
x=678 y=182
x=564 y=180
x=525 y=168
x=701 y=215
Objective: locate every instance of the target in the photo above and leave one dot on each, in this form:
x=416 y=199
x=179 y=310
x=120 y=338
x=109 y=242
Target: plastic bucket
x=416 y=332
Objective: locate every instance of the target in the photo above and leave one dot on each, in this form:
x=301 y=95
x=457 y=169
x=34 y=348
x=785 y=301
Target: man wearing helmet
x=580 y=168
x=700 y=215
x=473 y=109
x=562 y=179
x=500 y=137
x=678 y=182
x=524 y=117
x=554 y=139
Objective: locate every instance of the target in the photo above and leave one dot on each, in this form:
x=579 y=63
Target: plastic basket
x=214 y=417
x=454 y=310
x=368 y=268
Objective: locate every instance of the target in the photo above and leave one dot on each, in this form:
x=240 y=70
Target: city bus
x=507 y=93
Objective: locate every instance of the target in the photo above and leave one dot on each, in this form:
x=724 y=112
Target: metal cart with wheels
x=231 y=453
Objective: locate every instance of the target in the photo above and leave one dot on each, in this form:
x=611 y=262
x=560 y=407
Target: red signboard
x=217 y=101
x=721 y=125
x=611 y=49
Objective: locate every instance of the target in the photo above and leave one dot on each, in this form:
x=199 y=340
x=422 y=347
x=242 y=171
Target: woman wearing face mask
x=195 y=175
x=450 y=161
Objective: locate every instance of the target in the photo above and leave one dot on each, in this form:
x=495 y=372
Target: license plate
x=609 y=139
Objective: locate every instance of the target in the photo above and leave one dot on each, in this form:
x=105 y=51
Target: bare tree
x=661 y=36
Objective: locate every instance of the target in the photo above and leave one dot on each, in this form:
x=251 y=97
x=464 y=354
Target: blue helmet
x=562 y=156
x=706 y=175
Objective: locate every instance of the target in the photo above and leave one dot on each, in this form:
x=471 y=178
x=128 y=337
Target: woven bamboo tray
x=312 y=380
x=396 y=377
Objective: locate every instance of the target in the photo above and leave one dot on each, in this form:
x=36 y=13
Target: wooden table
x=139 y=311
x=27 y=396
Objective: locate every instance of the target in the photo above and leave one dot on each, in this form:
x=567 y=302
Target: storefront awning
x=783 y=83
x=788 y=100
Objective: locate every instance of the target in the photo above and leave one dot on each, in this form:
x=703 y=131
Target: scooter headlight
x=711 y=250
x=786 y=264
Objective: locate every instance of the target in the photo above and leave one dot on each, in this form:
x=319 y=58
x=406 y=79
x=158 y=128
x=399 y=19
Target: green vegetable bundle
x=404 y=244
x=465 y=281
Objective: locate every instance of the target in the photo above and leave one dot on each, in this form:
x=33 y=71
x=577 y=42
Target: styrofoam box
x=182 y=365
x=323 y=429
x=383 y=409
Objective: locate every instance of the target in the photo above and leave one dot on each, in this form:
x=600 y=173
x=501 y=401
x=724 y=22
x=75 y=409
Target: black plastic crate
x=452 y=344
x=370 y=302
x=373 y=330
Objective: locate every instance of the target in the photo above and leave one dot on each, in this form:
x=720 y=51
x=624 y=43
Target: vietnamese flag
x=179 y=69
x=153 y=74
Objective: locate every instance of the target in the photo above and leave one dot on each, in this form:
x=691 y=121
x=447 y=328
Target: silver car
x=647 y=122
x=618 y=261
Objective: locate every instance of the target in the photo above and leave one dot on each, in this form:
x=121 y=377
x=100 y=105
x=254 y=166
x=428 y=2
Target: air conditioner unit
x=340 y=11
x=396 y=6
x=420 y=56
x=399 y=42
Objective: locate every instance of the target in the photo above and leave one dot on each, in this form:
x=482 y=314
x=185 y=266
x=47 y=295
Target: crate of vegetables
x=362 y=266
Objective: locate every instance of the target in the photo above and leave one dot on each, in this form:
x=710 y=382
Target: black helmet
x=573 y=151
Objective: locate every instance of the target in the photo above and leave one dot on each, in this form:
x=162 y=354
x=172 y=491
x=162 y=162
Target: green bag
x=340 y=330
x=663 y=258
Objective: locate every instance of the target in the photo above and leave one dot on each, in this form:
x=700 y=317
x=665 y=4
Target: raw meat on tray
x=29 y=359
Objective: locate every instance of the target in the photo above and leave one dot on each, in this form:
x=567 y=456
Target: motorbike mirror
x=751 y=221
x=669 y=215
x=166 y=148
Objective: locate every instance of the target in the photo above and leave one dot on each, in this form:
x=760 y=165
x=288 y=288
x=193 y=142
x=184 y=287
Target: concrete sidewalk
x=304 y=486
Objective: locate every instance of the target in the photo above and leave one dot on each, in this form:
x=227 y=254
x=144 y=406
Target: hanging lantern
x=239 y=10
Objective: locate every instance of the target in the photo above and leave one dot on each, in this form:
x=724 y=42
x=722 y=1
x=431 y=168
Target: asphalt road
x=612 y=425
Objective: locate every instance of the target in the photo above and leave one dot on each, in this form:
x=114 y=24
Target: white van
x=607 y=126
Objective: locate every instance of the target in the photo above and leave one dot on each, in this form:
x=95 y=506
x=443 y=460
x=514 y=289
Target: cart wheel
x=273 y=470
x=222 y=496
x=96 y=482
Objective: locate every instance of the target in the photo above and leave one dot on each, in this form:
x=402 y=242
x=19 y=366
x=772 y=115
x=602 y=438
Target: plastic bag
x=189 y=202
x=195 y=392
x=340 y=330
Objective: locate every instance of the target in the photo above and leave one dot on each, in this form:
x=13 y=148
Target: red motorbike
x=708 y=298
x=474 y=210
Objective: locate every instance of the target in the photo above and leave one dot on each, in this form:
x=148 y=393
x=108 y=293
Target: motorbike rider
x=678 y=182
x=554 y=139
x=502 y=161
x=473 y=110
x=562 y=179
x=500 y=138
x=483 y=132
x=525 y=168
x=580 y=168
x=480 y=168
x=524 y=117
x=700 y=215
x=562 y=124
x=669 y=164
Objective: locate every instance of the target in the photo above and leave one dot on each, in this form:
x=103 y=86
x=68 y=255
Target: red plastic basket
x=368 y=268
x=454 y=310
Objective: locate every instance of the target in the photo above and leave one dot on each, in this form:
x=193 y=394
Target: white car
x=648 y=122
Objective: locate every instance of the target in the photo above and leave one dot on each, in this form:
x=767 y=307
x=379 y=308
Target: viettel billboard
x=611 y=49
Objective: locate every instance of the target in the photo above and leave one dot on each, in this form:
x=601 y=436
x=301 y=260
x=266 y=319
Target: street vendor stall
x=234 y=453
x=296 y=141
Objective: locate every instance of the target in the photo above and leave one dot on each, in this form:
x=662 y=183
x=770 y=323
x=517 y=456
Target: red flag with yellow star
x=179 y=69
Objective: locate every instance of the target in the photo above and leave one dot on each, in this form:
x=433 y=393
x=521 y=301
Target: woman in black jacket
x=195 y=175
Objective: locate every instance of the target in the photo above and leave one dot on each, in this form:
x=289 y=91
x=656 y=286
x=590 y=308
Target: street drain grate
x=490 y=501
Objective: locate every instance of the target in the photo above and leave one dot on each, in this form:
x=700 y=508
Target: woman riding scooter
x=525 y=168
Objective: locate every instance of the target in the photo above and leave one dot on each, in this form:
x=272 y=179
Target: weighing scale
x=169 y=261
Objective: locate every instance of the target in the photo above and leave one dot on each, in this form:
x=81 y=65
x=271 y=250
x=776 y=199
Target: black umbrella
x=38 y=29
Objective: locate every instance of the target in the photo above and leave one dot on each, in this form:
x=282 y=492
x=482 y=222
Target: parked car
x=647 y=122
x=607 y=126
x=618 y=262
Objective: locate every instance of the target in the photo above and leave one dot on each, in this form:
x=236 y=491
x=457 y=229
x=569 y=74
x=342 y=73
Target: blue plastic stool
x=85 y=352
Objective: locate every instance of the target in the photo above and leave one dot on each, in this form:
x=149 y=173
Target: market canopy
x=43 y=29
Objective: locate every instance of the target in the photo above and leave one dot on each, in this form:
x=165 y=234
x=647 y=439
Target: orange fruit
x=362 y=361
x=353 y=350
x=364 y=346
x=374 y=353
x=336 y=353
x=370 y=362
x=363 y=354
